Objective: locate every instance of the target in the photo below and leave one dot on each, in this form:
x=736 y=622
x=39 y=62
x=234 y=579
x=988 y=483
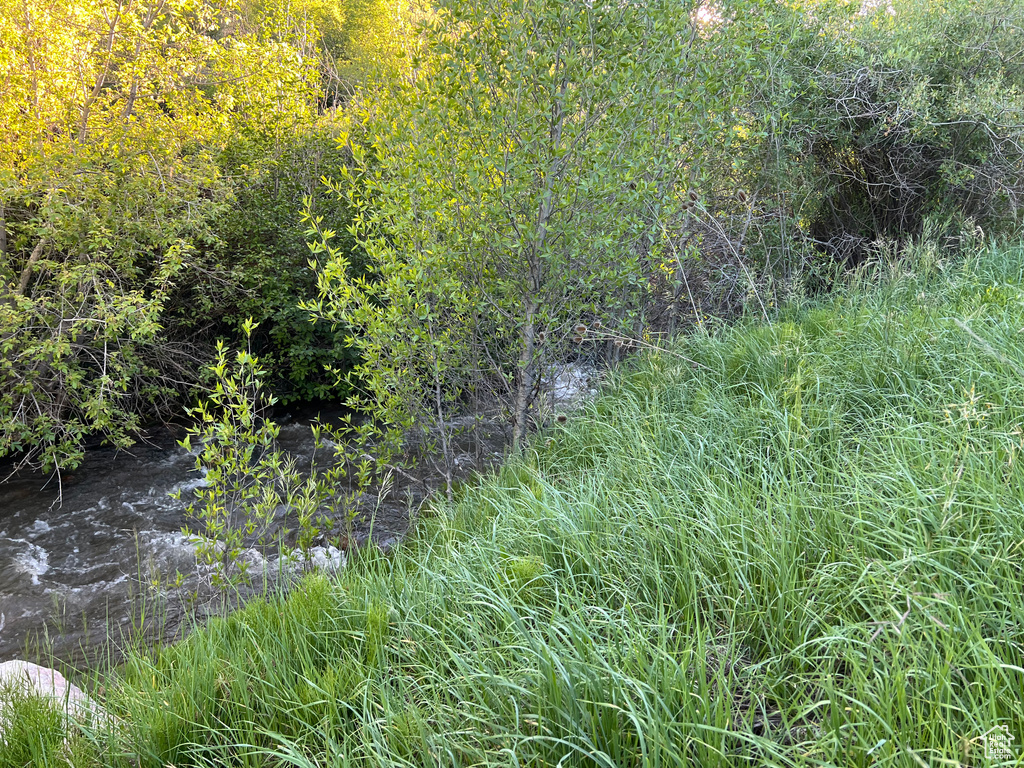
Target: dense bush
x=258 y=264
x=151 y=184
x=886 y=121
x=108 y=184
x=527 y=178
x=512 y=174
x=513 y=192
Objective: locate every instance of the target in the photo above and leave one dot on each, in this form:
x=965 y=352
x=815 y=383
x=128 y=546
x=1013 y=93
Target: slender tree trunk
x=477 y=384
x=6 y=296
x=101 y=78
x=3 y=234
x=527 y=376
x=151 y=15
x=26 y=273
x=442 y=425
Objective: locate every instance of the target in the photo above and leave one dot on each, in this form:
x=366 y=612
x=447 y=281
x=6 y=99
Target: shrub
x=888 y=121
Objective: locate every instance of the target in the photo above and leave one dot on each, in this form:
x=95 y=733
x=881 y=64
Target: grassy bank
x=789 y=544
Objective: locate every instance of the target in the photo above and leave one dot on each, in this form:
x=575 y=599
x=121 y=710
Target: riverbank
x=795 y=543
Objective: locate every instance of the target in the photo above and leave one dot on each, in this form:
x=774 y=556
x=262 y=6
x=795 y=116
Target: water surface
x=75 y=565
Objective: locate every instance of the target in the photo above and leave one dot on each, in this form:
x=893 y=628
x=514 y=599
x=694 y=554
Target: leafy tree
x=511 y=194
x=253 y=489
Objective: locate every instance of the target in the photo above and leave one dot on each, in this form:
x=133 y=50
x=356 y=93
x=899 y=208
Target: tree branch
x=26 y=273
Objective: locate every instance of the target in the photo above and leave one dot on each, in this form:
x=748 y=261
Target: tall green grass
x=796 y=543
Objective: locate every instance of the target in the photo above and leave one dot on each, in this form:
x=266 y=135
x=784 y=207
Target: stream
x=91 y=574
x=83 y=578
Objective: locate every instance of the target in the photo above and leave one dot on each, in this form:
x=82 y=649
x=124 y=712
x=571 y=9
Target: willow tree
x=511 y=190
x=114 y=113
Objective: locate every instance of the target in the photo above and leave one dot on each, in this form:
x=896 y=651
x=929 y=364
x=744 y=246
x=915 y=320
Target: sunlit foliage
x=109 y=184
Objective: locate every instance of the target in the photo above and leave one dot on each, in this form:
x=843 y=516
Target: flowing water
x=73 y=574
x=85 y=568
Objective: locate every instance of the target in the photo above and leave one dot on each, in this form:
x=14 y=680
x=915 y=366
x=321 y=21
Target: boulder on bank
x=26 y=678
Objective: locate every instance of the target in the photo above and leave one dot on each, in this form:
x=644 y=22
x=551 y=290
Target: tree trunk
x=3 y=234
x=442 y=424
x=527 y=375
x=101 y=78
x=26 y=273
x=527 y=364
x=478 y=383
x=6 y=297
